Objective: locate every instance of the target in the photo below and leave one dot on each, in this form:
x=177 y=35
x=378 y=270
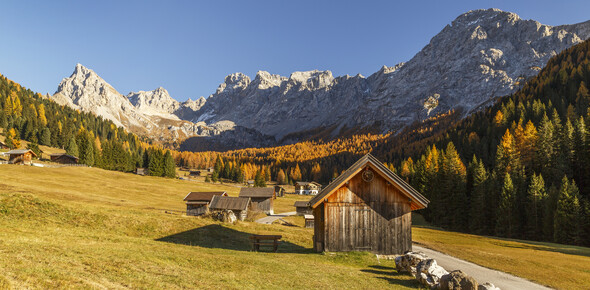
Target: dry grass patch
x=554 y=265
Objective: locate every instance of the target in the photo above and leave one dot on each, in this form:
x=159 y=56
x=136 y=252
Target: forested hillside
x=25 y=115
x=518 y=169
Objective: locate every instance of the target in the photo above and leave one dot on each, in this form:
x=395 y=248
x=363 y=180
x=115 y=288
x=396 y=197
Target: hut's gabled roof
x=418 y=201
x=203 y=196
x=229 y=203
x=257 y=192
x=64 y=155
x=301 y=203
x=20 y=151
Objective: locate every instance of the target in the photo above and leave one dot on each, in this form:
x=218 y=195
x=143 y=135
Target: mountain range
x=481 y=55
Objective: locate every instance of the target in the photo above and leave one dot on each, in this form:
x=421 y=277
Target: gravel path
x=271 y=218
x=502 y=280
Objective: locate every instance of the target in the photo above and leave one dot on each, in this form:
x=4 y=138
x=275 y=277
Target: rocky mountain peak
x=265 y=80
x=154 y=102
x=313 y=79
x=233 y=82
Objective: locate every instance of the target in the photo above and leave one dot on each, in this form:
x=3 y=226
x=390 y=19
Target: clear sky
x=188 y=47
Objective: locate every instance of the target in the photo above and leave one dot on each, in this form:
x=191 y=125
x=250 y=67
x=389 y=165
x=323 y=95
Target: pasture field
x=76 y=227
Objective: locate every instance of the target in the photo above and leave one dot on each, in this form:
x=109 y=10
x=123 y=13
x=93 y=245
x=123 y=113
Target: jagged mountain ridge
x=152 y=113
x=481 y=55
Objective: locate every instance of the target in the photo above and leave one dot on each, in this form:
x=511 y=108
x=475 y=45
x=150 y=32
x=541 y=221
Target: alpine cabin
x=63 y=158
x=227 y=204
x=21 y=156
x=197 y=203
x=366 y=208
x=262 y=198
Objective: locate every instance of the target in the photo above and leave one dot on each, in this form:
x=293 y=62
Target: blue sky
x=188 y=47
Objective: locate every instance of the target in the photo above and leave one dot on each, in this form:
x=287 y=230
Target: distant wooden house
x=63 y=158
x=141 y=171
x=262 y=198
x=238 y=205
x=194 y=173
x=21 y=156
x=307 y=188
x=302 y=207
x=279 y=191
x=367 y=208
x=197 y=203
x=211 y=169
x=250 y=183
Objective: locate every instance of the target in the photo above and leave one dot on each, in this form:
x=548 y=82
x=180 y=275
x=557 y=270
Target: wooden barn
x=302 y=208
x=262 y=198
x=141 y=171
x=307 y=188
x=197 y=203
x=63 y=158
x=21 y=156
x=367 y=208
x=279 y=191
x=194 y=173
x=238 y=205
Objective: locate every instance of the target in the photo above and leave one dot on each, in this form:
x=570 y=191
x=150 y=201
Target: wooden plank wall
x=367 y=216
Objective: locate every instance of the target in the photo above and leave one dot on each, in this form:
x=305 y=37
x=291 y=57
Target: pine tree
x=169 y=165
x=259 y=180
x=567 y=213
x=479 y=203
x=536 y=199
x=504 y=221
x=45 y=138
x=72 y=148
x=156 y=163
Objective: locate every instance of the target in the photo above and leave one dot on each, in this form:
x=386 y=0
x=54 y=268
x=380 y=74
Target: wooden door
x=362 y=228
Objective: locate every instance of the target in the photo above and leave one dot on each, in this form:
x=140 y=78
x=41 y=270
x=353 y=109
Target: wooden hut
x=279 y=191
x=21 y=156
x=141 y=171
x=197 y=203
x=63 y=158
x=262 y=198
x=194 y=173
x=367 y=208
x=238 y=205
x=307 y=188
x=302 y=208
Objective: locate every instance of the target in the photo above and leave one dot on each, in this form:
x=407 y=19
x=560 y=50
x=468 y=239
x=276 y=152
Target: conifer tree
x=281 y=177
x=567 y=214
x=169 y=165
x=259 y=179
x=72 y=148
x=536 y=199
x=504 y=221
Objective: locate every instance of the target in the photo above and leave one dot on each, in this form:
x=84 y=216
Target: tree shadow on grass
x=220 y=237
x=391 y=275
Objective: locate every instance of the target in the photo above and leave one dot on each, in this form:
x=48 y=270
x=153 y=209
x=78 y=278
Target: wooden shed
x=194 y=173
x=366 y=208
x=279 y=191
x=64 y=158
x=302 y=208
x=141 y=171
x=238 y=205
x=262 y=198
x=197 y=203
x=21 y=156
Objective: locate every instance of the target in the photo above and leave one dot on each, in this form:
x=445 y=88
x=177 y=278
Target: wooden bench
x=265 y=240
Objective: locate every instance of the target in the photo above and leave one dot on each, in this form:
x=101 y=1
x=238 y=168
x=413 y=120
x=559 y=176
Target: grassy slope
x=554 y=265
x=86 y=227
